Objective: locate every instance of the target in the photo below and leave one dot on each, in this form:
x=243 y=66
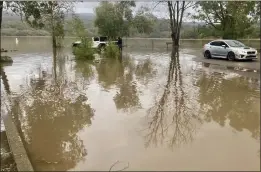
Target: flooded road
x=148 y=112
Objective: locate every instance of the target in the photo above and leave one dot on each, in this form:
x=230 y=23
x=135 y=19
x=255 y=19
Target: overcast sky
x=160 y=10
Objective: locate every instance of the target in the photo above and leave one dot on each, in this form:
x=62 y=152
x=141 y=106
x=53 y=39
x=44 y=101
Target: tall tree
x=1 y=11
x=176 y=14
x=231 y=18
x=144 y=21
x=112 y=19
x=44 y=14
x=76 y=27
x=116 y=19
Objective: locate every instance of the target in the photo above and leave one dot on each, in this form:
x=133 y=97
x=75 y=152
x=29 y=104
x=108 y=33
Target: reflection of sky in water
x=25 y=67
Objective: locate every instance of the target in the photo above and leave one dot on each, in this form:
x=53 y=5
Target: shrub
x=112 y=51
x=84 y=51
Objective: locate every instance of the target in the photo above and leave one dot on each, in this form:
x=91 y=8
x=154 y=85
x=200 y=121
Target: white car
x=229 y=49
x=97 y=42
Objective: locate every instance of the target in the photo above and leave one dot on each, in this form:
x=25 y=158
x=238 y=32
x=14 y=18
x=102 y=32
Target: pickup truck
x=97 y=42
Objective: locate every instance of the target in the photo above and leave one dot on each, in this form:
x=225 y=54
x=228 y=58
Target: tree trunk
x=176 y=17
x=54 y=41
x=1 y=12
x=53 y=29
x=55 y=63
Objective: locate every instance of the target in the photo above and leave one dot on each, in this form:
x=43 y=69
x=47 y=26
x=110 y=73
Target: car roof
x=224 y=40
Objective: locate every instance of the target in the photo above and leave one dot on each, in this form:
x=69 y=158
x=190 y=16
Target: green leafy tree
x=76 y=27
x=232 y=19
x=116 y=19
x=110 y=19
x=144 y=21
x=43 y=14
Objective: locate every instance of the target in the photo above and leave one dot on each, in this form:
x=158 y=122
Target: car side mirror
x=224 y=46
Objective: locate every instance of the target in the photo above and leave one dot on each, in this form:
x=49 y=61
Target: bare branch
x=189 y=4
x=210 y=22
x=156 y=5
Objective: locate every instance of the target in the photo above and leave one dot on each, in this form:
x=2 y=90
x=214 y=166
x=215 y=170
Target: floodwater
x=148 y=112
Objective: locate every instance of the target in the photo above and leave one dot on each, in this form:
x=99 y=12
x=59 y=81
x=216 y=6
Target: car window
x=215 y=43
x=223 y=43
x=95 y=39
x=233 y=43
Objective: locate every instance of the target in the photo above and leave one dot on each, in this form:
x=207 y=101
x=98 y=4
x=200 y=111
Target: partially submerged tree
x=232 y=19
x=176 y=14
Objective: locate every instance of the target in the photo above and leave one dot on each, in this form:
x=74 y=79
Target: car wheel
x=231 y=56
x=207 y=54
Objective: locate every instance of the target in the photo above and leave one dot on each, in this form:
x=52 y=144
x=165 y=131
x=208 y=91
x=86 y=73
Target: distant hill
x=86 y=16
x=82 y=16
x=12 y=26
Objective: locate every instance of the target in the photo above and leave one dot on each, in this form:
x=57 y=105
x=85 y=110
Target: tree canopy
x=232 y=19
x=115 y=19
x=43 y=14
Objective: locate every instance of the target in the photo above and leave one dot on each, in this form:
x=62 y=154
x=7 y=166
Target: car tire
x=231 y=56
x=207 y=54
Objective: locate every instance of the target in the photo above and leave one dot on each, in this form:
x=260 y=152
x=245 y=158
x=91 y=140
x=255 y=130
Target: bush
x=112 y=51
x=84 y=51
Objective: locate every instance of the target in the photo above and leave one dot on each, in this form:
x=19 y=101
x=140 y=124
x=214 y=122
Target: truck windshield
x=232 y=43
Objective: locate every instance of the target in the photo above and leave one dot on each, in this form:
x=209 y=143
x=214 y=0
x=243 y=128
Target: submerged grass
x=84 y=51
x=112 y=51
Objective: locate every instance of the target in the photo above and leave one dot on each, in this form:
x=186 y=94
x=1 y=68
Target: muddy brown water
x=148 y=112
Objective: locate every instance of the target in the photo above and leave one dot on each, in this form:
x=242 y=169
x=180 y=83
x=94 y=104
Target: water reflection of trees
x=110 y=71
x=120 y=74
x=127 y=97
x=145 y=71
x=234 y=100
x=171 y=119
x=85 y=69
x=51 y=117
